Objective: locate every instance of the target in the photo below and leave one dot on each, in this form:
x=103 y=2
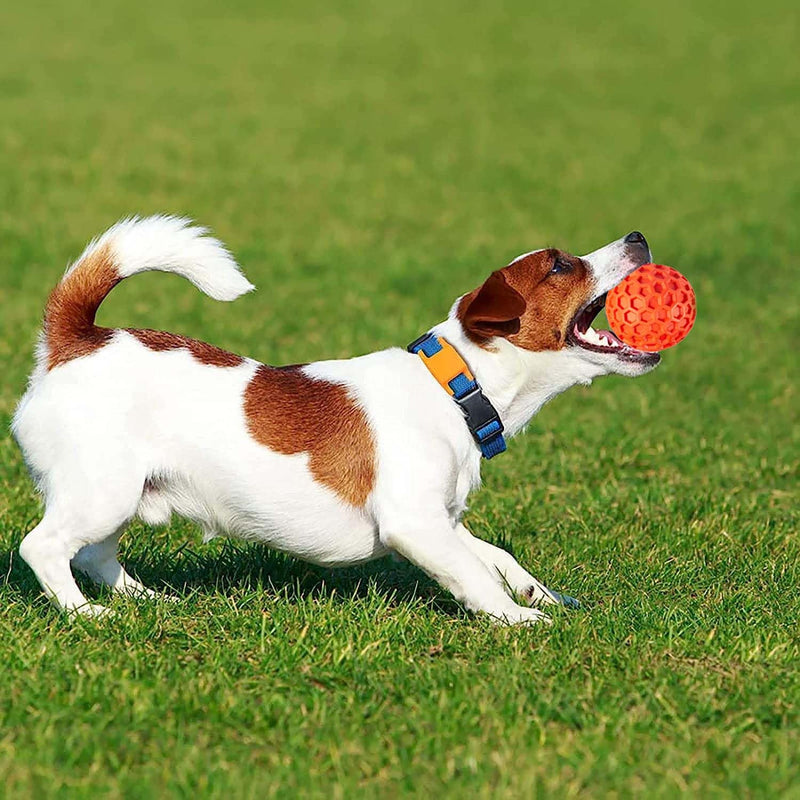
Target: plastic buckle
x=479 y=413
x=442 y=360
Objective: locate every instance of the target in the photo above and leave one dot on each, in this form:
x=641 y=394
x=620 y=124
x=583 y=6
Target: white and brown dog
x=336 y=462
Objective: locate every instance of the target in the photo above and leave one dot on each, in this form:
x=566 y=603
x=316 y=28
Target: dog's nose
x=634 y=237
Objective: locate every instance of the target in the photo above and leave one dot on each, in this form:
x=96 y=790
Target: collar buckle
x=483 y=421
x=482 y=418
x=451 y=371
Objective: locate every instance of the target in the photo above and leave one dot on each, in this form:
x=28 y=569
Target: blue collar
x=451 y=371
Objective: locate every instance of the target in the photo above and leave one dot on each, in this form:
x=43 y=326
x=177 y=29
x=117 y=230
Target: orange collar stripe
x=446 y=364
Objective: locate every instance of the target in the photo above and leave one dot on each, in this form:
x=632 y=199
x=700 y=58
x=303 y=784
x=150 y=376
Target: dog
x=335 y=462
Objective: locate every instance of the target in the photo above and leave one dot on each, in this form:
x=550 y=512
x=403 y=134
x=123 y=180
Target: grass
x=368 y=162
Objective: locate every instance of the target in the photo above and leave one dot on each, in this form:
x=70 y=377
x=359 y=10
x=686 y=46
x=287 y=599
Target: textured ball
x=652 y=309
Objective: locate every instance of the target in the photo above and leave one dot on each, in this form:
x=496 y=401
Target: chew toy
x=652 y=309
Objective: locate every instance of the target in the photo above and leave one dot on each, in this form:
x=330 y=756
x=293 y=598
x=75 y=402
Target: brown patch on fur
x=69 y=315
x=70 y=312
x=203 y=352
x=550 y=301
x=289 y=412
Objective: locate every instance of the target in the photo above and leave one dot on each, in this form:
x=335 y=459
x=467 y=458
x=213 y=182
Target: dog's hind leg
x=518 y=579
x=82 y=509
x=99 y=562
x=47 y=550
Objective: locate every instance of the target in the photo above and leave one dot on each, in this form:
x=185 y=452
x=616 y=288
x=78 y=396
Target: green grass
x=368 y=162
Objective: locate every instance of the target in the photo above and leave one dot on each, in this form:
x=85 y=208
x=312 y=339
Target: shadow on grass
x=226 y=566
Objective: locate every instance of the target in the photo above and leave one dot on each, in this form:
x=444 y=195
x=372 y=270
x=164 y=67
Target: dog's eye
x=560 y=267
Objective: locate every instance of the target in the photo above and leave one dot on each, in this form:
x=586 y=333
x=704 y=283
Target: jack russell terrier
x=335 y=462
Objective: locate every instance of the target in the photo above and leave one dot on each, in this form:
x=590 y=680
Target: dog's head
x=546 y=300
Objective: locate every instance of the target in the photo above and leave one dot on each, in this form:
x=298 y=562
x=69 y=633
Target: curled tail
x=166 y=244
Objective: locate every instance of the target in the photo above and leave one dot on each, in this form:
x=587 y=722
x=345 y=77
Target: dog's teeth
x=593 y=336
x=600 y=338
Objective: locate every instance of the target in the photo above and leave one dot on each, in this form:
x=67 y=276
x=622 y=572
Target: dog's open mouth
x=581 y=334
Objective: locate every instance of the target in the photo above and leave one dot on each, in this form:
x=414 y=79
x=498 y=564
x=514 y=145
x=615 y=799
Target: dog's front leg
x=440 y=550
x=515 y=577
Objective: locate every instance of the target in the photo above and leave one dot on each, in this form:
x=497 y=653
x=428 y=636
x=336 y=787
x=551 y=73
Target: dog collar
x=451 y=371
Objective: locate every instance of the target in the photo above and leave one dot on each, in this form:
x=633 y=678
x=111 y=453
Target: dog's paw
x=537 y=594
x=143 y=593
x=522 y=616
x=89 y=611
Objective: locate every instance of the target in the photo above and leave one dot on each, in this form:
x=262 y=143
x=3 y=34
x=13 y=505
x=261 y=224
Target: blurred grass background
x=366 y=163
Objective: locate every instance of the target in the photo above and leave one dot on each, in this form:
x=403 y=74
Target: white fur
x=172 y=244
x=128 y=431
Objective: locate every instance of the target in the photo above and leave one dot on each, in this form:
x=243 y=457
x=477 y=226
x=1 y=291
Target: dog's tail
x=166 y=244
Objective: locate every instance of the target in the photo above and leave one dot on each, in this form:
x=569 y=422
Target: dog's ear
x=494 y=310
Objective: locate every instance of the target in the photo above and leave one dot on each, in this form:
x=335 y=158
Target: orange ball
x=652 y=309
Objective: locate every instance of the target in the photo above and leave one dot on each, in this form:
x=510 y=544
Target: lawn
x=367 y=163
